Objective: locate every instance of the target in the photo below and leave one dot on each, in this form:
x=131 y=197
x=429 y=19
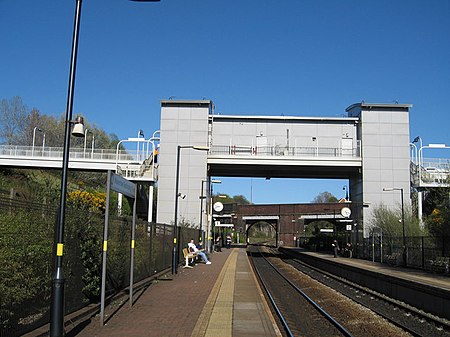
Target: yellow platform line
x=216 y=318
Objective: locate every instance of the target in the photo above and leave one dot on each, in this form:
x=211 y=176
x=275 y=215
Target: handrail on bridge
x=293 y=151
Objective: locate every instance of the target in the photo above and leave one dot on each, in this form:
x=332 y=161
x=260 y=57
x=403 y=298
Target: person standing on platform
x=335 y=246
x=193 y=249
x=218 y=245
x=349 y=250
x=228 y=241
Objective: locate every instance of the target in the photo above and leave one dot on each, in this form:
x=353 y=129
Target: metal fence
x=26 y=243
x=420 y=251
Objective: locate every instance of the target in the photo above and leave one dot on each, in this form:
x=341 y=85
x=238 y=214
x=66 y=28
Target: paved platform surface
x=220 y=299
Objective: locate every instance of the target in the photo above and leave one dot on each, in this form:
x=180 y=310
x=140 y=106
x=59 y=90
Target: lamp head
x=78 y=128
x=201 y=148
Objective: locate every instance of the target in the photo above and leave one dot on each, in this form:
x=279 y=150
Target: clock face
x=218 y=206
x=346 y=212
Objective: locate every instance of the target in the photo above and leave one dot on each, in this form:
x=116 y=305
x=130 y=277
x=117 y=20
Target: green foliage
x=389 y=220
x=313 y=228
x=436 y=208
x=438 y=222
x=435 y=198
x=25 y=251
x=90 y=237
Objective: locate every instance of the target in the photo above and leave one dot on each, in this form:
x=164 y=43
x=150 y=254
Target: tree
x=14 y=120
x=435 y=198
x=324 y=197
x=436 y=208
x=389 y=220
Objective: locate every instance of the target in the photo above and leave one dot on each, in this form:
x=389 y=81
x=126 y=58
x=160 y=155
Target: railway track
x=299 y=314
x=409 y=319
x=353 y=319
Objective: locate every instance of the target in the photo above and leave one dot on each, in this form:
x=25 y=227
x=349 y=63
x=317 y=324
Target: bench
x=439 y=265
x=188 y=255
x=393 y=259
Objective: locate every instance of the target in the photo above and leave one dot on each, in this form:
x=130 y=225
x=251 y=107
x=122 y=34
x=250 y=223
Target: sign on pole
x=121 y=185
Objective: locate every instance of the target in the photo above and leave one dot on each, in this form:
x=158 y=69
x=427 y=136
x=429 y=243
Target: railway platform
x=220 y=299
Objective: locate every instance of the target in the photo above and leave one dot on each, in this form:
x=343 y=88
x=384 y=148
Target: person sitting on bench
x=193 y=248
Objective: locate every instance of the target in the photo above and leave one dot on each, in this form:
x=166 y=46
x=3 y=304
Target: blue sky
x=265 y=57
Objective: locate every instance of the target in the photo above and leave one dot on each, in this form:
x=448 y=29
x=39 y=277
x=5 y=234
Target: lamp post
x=140 y=133
x=390 y=189
x=85 y=140
x=43 y=144
x=177 y=194
x=202 y=197
x=34 y=138
x=346 y=192
x=57 y=296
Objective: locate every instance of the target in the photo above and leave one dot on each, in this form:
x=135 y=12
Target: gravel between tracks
x=357 y=319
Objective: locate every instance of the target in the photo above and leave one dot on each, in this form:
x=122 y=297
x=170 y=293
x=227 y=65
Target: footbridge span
x=369 y=147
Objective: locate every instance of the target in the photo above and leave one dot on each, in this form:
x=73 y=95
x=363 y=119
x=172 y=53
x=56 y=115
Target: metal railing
x=128 y=163
x=420 y=250
x=75 y=153
x=288 y=151
x=432 y=172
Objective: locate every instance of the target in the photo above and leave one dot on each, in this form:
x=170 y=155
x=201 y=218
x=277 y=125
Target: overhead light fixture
x=78 y=127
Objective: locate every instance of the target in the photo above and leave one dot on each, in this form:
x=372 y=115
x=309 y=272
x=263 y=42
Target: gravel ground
x=357 y=319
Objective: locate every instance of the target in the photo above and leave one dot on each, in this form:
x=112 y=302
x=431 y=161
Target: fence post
x=423 y=251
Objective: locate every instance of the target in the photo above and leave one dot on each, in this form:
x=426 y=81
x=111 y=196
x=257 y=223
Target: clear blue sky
x=265 y=57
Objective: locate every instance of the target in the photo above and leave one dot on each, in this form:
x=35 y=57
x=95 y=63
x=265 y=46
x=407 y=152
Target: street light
x=92 y=143
x=57 y=297
x=346 y=192
x=212 y=181
x=177 y=182
x=34 y=138
x=390 y=189
x=140 y=133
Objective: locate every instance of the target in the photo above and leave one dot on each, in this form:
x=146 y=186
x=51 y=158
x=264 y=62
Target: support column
x=150 y=204
x=419 y=208
x=119 y=203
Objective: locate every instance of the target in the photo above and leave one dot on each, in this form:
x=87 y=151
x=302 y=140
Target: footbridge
x=137 y=165
x=369 y=146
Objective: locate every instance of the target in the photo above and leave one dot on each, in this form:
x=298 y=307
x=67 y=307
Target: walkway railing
x=433 y=172
x=276 y=151
x=75 y=153
x=128 y=163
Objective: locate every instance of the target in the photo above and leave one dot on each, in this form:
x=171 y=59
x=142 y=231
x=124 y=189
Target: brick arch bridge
x=289 y=220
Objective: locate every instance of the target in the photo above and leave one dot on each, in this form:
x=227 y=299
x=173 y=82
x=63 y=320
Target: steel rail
x=327 y=316
x=378 y=296
x=272 y=300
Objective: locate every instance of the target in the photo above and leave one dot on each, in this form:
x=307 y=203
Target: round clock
x=218 y=206
x=345 y=212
